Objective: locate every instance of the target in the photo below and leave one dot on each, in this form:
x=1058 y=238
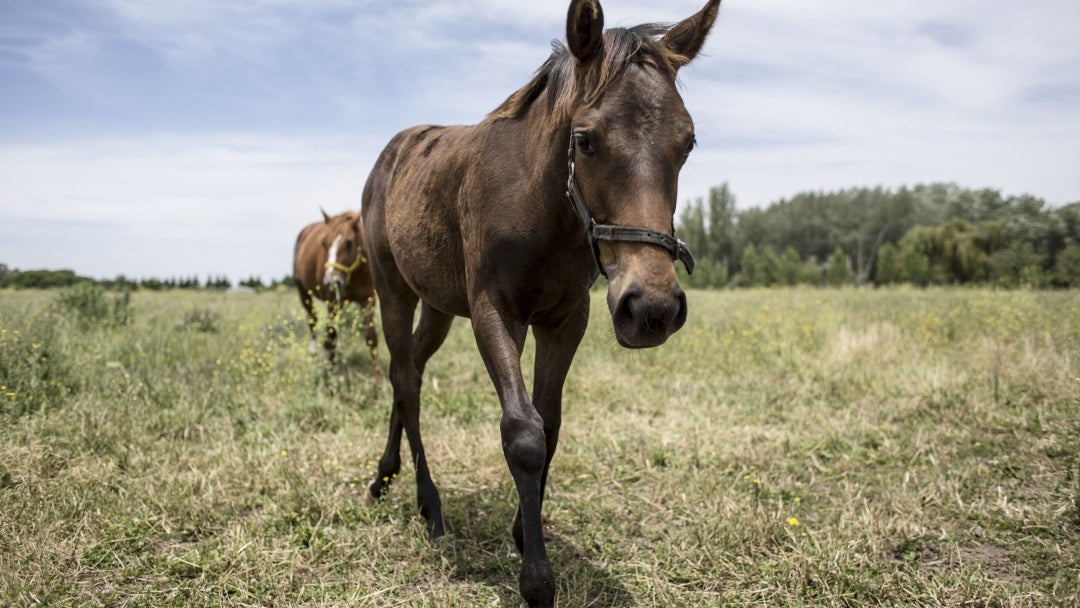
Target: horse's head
x=344 y=252
x=630 y=136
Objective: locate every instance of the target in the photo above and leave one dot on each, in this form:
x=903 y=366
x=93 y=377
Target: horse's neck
x=544 y=143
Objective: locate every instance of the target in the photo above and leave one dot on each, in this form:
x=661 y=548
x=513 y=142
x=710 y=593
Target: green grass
x=786 y=448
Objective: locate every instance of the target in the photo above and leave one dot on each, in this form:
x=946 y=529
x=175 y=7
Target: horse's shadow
x=484 y=552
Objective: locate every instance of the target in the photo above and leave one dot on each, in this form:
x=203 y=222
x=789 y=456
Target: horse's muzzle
x=644 y=320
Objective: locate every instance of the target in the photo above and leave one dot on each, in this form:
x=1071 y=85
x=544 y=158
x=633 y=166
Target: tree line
x=44 y=279
x=935 y=234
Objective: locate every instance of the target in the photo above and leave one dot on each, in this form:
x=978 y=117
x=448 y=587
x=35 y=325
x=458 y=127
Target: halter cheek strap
x=629 y=234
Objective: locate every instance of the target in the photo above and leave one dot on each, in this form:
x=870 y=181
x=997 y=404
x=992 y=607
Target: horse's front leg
x=555 y=349
x=371 y=337
x=500 y=340
x=331 y=332
x=312 y=322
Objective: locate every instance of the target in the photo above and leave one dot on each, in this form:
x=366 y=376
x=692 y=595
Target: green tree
x=769 y=267
x=887 y=266
x=1017 y=265
x=839 y=270
x=691 y=229
x=790 y=267
x=6 y=275
x=44 y=279
x=914 y=264
x=1067 y=267
x=750 y=274
x=721 y=224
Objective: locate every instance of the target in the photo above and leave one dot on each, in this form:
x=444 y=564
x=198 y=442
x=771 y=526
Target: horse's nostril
x=651 y=318
x=680 y=312
x=628 y=307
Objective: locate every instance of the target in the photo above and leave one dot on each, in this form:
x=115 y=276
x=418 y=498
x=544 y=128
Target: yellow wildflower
x=793 y=521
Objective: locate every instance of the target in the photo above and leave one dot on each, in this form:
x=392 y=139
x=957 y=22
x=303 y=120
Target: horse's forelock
x=568 y=86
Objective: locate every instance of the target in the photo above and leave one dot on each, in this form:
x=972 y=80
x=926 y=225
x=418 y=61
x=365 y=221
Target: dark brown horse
x=476 y=221
x=330 y=262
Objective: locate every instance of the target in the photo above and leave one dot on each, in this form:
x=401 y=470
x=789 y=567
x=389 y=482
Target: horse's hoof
x=447 y=543
x=369 y=497
x=312 y=348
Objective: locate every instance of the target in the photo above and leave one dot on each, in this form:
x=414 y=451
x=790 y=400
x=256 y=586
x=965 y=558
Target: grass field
x=786 y=448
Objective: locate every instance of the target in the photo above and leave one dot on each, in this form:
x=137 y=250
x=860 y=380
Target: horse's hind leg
x=428 y=337
x=397 y=316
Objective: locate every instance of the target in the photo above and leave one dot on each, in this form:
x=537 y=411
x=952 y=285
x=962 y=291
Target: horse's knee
x=524 y=443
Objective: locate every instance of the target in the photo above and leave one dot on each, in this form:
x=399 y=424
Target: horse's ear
x=326 y=218
x=358 y=226
x=585 y=29
x=687 y=38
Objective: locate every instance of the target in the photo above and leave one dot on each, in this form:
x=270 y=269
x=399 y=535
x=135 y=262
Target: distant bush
x=202 y=320
x=43 y=279
x=92 y=306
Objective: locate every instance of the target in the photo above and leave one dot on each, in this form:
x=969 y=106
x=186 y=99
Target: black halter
x=607 y=232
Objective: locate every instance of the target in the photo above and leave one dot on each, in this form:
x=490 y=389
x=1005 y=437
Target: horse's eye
x=690 y=146
x=583 y=143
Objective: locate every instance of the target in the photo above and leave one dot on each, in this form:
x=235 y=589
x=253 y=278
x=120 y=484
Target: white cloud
x=223 y=204
x=789 y=95
x=833 y=94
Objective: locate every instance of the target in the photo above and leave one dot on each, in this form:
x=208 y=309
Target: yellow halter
x=348 y=270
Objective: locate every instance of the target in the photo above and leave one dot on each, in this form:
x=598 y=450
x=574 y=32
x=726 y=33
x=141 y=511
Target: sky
x=178 y=138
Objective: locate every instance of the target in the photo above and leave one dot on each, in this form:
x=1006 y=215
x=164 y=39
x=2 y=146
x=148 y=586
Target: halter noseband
x=348 y=270
x=607 y=232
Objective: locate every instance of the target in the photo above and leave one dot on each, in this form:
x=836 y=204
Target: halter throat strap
x=630 y=234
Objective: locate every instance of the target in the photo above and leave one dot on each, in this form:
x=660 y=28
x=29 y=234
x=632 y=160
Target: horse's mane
x=558 y=75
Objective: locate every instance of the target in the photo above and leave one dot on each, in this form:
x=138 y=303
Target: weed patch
x=91 y=306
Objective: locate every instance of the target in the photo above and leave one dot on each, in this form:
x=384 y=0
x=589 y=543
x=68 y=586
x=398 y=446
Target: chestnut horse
x=510 y=221
x=330 y=262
